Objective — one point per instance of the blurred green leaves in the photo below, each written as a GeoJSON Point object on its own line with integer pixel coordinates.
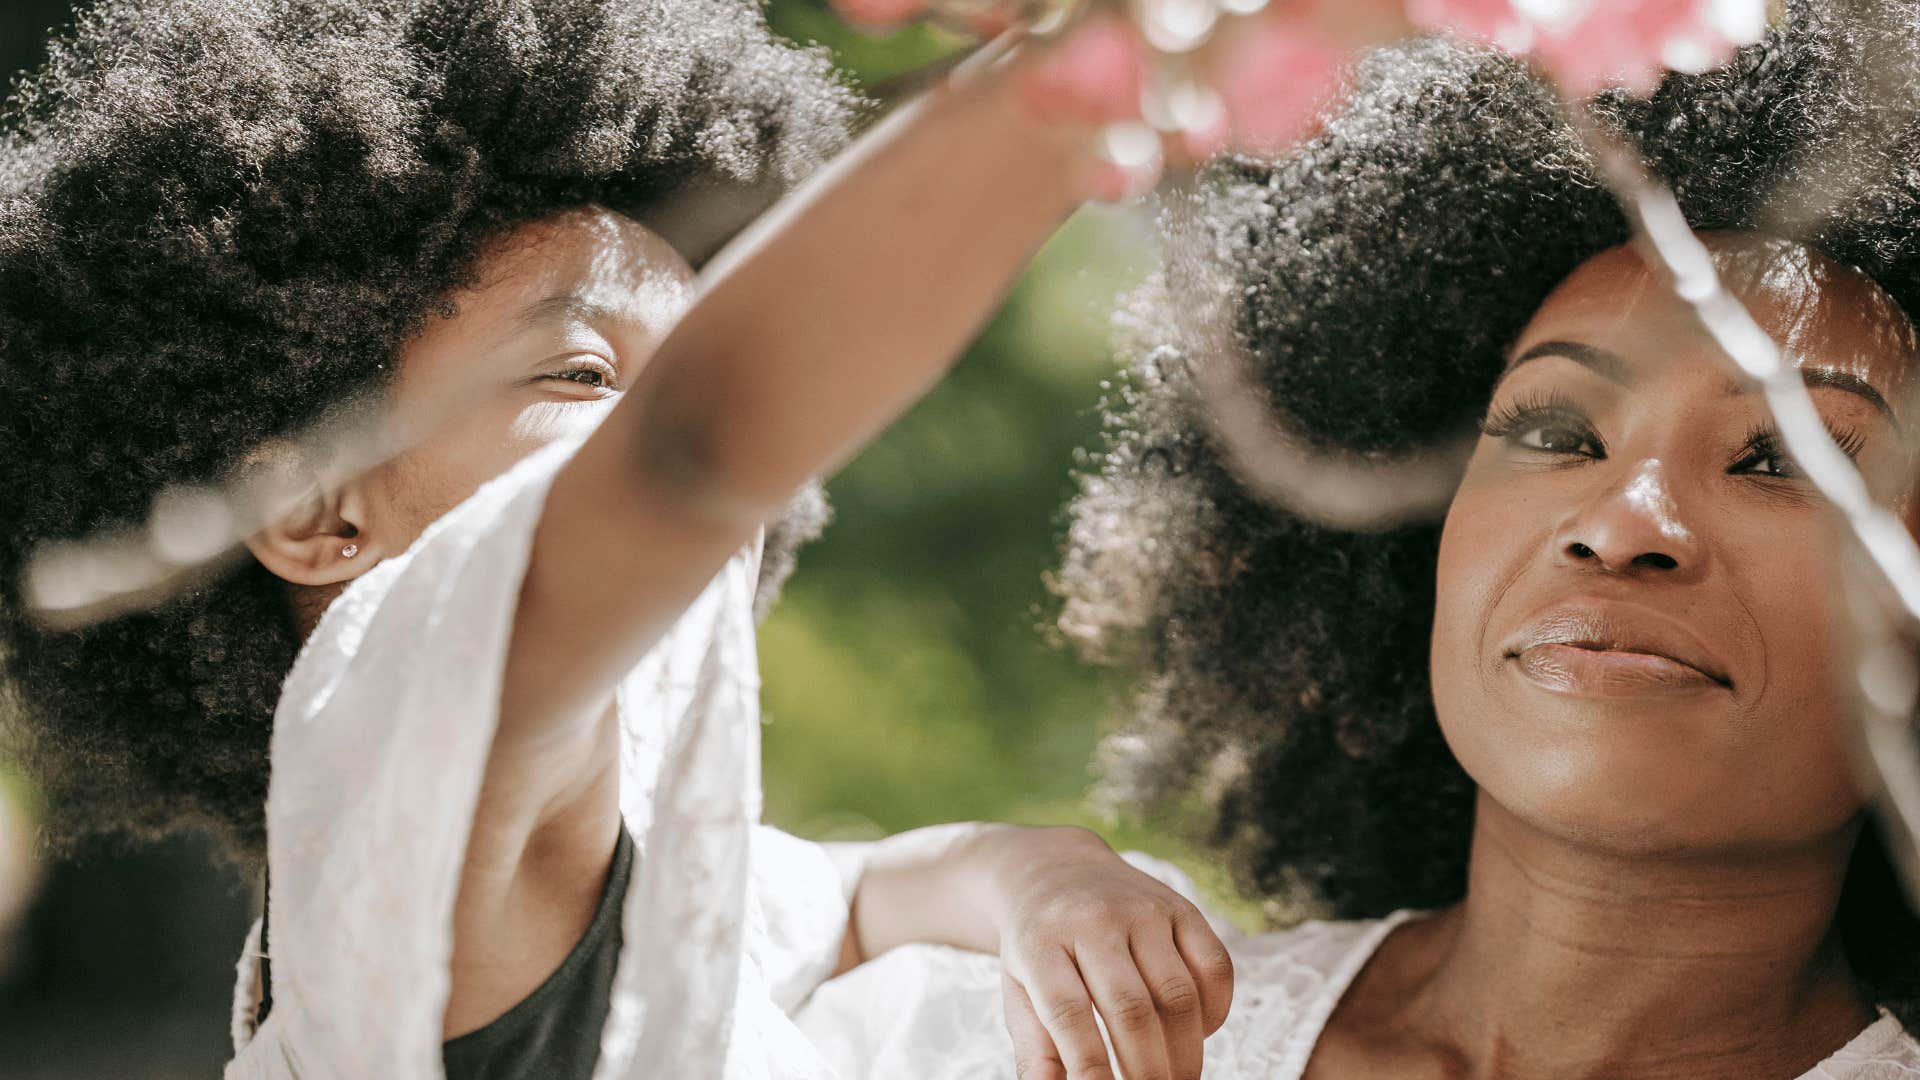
{"type": "Point", "coordinates": [906, 676]}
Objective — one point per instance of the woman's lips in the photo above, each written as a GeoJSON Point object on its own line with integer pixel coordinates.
{"type": "Point", "coordinates": [1607, 649]}
{"type": "Point", "coordinates": [1580, 671]}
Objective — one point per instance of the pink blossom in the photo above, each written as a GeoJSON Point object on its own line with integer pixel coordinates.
{"type": "Point", "coordinates": [1491, 21]}
{"type": "Point", "coordinates": [879, 13]}
{"type": "Point", "coordinates": [1276, 83]}
{"type": "Point", "coordinates": [1601, 43]}
{"type": "Point", "coordinates": [1625, 43]}
{"type": "Point", "coordinates": [1095, 76]}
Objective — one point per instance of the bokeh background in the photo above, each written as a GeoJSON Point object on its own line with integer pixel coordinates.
{"type": "Point", "coordinates": [908, 679]}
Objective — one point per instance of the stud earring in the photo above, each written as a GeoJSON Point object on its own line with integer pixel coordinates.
{"type": "Point", "coordinates": [350, 551]}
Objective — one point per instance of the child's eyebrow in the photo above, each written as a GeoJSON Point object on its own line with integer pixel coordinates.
{"type": "Point", "coordinates": [569, 307]}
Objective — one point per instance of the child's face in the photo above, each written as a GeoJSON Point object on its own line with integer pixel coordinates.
{"type": "Point", "coordinates": [566, 313]}
{"type": "Point", "coordinates": [1634, 642]}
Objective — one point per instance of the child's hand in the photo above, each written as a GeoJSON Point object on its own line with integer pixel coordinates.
{"type": "Point", "coordinates": [1083, 933]}
{"type": "Point", "coordinates": [1259, 85]}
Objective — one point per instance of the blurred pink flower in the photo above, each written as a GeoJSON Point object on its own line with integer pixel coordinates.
{"type": "Point", "coordinates": [1095, 76]}
{"type": "Point", "coordinates": [1276, 83]}
{"type": "Point", "coordinates": [1276, 80]}
{"type": "Point", "coordinates": [1591, 44]}
{"type": "Point", "coordinates": [1491, 21]}
{"type": "Point", "coordinates": [879, 13]}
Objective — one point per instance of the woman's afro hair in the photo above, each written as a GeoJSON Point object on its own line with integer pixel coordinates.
{"type": "Point", "coordinates": [1379, 274]}
{"type": "Point", "coordinates": [218, 219]}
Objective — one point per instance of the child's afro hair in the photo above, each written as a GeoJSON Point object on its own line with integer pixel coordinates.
{"type": "Point", "coordinates": [219, 218]}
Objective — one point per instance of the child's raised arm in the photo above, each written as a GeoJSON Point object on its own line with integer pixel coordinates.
{"type": "Point", "coordinates": [809, 335]}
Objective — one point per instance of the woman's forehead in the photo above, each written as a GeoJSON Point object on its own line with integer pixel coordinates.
{"type": "Point", "coordinates": [1822, 312]}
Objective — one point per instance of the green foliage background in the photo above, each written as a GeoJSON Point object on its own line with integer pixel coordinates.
{"type": "Point", "coordinates": [908, 676]}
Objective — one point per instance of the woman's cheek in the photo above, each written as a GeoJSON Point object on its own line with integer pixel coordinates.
{"type": "Point", "coordinates": [1465, 588]}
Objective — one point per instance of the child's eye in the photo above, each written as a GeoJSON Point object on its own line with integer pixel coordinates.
{"type": "Point", "coordinates": [591, 373]}
{"type": "Point", "coordinates": [583, 376]}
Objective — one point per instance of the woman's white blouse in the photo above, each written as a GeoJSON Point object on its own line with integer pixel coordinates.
{"type": "Point", "coordinates": [379, 744]}
{"type": "Point", "coordinates": [934, 1013]}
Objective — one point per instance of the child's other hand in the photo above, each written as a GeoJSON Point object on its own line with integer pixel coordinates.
{"type": "Point", "coordinates": [1083, 933]}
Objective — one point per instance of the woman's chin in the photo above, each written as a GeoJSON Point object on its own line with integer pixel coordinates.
{"type": "Point", "coordinates": [1630, 775]}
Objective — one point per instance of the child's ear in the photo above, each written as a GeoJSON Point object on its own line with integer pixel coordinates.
{"type": "Point", "coordinates": [316, 532]}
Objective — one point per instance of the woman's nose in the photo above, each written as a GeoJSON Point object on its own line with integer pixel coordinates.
{"type": "Point", "coordinates": [1633, 527]}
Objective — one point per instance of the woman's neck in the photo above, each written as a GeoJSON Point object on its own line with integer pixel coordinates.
{"type": "Point", "coordinates": [1568, 961]}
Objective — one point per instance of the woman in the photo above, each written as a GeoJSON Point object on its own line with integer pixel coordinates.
{"type": "Point", "coordinates": [494, 642]}
{"type": "Point", "coordinates": [1571, 770]}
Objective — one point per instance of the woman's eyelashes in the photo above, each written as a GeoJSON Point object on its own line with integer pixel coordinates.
{"type": "Point", "coordinates": [1554, 427]}
{"type": "Point", "coordinates": [1544, 425]}
{"type": "Point", "coordinates": [1765, 454]}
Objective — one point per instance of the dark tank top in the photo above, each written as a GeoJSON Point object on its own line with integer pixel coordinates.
{"type": "Point", "coordinates": [554, 1032]}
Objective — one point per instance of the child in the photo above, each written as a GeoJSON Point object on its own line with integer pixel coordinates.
{"type": "Point", "coordinates": [511, 825]}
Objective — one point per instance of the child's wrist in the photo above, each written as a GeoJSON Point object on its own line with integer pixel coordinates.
{"type": "Point", "coordinates": [1012, 855]}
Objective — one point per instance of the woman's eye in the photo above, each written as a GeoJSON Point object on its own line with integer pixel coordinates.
{"type": "Point", "coordinates": [1544, 426]}
{"type": "Point", "coordinates": [1769, 464]}
{"type": "Point", "coordinates": [1555, 438]}
{"type": "Point", "coordinates": [1765, 453]}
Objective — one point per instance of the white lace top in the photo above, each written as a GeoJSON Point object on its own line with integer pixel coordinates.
{"type": "Point", "coordinates": [379, 743]}
{"type": "Point", "coordinates": [934, 1013]}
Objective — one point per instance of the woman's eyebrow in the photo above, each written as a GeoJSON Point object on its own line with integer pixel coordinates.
{"type": "Point", "coordinates": [1833, 378]}
{"type": "Point", "coordinates": [1607, 364]}
{"type": "Point", "coordinates": [1613, 367]}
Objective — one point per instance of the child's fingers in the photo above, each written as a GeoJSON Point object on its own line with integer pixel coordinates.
{"type": "Point", "coordinates": [1059, 996]}
{"type": "Point", "coordinates": [1133, 1020]}
{"type": "Point", "coordinates": [1208, 962]}
{"type": "Point", "coordinates": [1175, 995]}
{"type": "Point", "coordinates": [1034, 1055]}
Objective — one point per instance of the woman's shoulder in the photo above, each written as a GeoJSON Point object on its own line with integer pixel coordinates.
{"type": "Point", "coordinates": [1287, 978]}
{"type": "Point", "coordinates": [1310, 957]}
{"type": "Point", "coordinates": [1286, 984]}
{"type": "Point", "coordinates": [1883, 1051]}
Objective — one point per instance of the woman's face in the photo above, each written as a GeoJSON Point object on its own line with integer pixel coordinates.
{"type": "Point", "coordinates": [1633, 644]}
